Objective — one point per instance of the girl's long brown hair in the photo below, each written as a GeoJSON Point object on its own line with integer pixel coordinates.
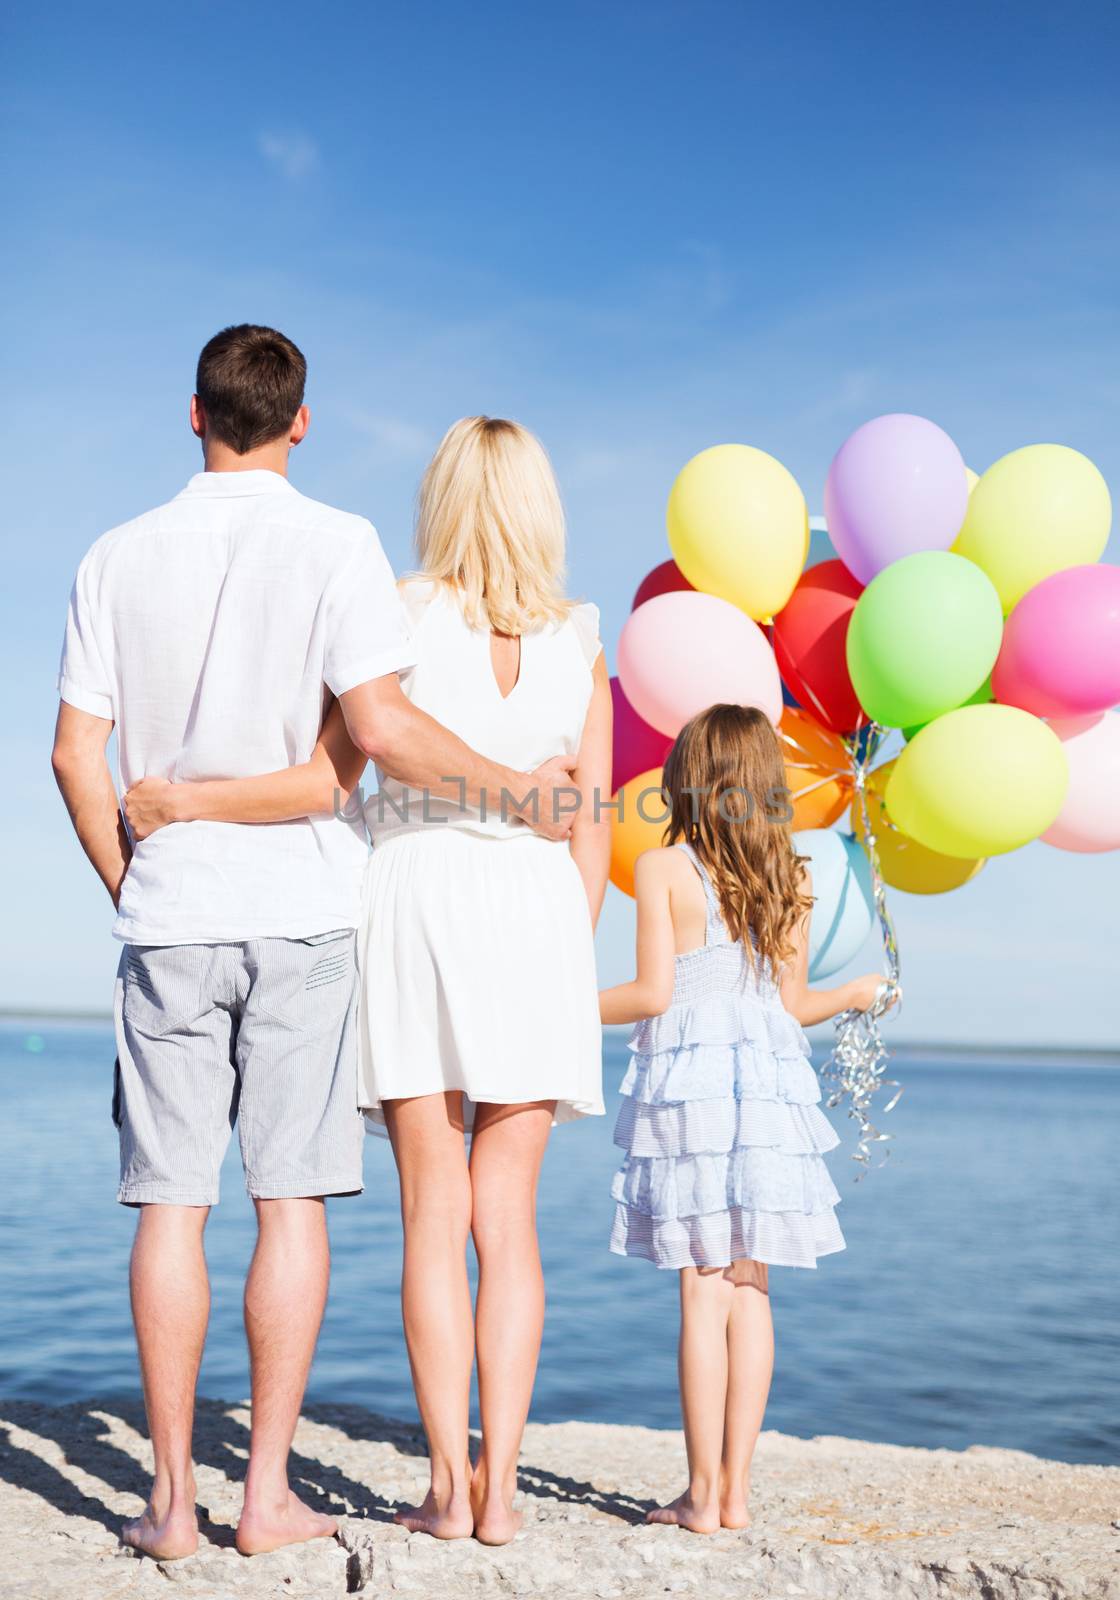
{"type": "Point", "coordinates": [725, 784]}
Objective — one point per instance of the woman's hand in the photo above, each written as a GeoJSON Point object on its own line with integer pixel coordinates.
{"type": "Point", "coordinates": [152, 803]}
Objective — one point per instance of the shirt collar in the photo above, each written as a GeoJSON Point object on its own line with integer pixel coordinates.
{"type": "Point", "coordinates": [220, 485]}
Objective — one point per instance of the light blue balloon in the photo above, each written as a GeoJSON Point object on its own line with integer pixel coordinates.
{"type": "Point", "coordinates": [845, 907]}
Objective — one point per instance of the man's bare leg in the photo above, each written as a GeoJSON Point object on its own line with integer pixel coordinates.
{"type": "Point", "coordinates": [170, 1308]}
{"type": "Point", "coordinates": [285, 1295]}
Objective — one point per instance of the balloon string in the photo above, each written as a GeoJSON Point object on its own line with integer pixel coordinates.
{"type": "Point", "coordinates": [857, 1064]}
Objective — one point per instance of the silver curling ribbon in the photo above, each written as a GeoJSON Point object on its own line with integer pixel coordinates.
{"type": "Point", "coordinates": [856, 1068]}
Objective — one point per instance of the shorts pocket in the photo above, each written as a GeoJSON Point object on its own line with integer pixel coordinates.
{"type": "Point", "coordinates": [306, 982]}
{"type": "Point", "coordinates": [116, 1113]}
{"type": "Point", "coordinates": [162, 986]}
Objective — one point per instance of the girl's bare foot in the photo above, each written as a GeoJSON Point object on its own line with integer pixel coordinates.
{"type": "Point", "coordinates": [168, 1537]}
{"type": "Point", "coordinates": [270, 1527]}
{"type": "Point", "coordinates": [450, 1518]}
{"type": "Point", "coordinates": [734, 1514]}
{"type": "Point", "coordinates": [733, 1503]}
{"type": "Point", "coordinates": [684, 1513]}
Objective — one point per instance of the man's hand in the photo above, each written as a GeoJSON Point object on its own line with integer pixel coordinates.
{"type": "Point", "coordinates": [83, 775]}
{"type": "Point", "coordinates": [557, 800]}
{"type": "Point", "coordinates": [151, 804]}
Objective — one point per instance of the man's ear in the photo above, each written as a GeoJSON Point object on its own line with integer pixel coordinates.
{"type": "Point", "coordinates": [198, 418]}
{"type": "Point", "coordinates": [300, 424]}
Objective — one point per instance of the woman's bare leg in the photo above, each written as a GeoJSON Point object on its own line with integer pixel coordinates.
{"type": "Point", "coordinates": [750, 1363]}
{"type": "Point", "coordinates": [427, 1135]}
{"type": "Point", "coordinates": [702, 1367]}
{"type": "Point", "coordinates": [506, 1152]}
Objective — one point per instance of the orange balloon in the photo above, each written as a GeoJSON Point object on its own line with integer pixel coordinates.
{"type": "Point", "coordinates": [639, 824]}
{"type": "Point", "coordinates": [818, 770]}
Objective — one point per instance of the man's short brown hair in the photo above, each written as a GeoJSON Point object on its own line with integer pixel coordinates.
{"type": "Point", "coordinates": [250, 382]}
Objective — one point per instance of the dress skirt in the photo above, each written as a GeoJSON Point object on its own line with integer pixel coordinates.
{"type": "Point", "coordinates": [478, 973]}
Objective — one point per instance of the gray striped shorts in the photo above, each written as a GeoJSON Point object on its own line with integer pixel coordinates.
{"type": "Point", "coordinates": [261, 1035]}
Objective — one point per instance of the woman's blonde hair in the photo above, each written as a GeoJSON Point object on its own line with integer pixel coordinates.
{"type": "Point", "coordinates": [725, 784]}
{"type": "Point", "coordinates": [490, 526]}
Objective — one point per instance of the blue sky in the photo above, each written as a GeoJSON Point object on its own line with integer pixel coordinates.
{"type": "Point", "coordinates": [640, 228]}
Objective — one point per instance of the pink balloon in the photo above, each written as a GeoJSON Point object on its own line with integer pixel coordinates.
{"type": "Point", "coordinates": [680, 653]}
{"type": "Point", "coordinates": [1090, 816]}
{"type": "Point", "coordinates": [1061, 645]}
{"type": "Point", "coordinates": [664, 579]}
{"type": "Point", "coordinates": [637, 746]}
{"type": "Point", "coordinates": [897, 485]}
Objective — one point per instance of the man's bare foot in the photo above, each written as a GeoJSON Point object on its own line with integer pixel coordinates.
{"type": "Point", "coordinates": [272, 1527]}
{"type": "Point", "coordinates": [170, 1537]}
{"type": "Point", "coordinates": [443, 1519]}
{"type": "Point", "coordinates": [684, 1514]}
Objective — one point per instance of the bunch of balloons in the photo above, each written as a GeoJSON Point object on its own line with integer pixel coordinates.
{"type": "Point", "coordinates": [971, 614]}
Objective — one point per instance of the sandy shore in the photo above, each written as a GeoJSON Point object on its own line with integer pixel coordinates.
{"type": "Point", "coordinates": [833, 1517]}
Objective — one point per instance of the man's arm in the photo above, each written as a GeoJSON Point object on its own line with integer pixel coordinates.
{"type": "Point", "coordinates": [82, 773]}
{"type": "Point", "coordinates": [421, 753]}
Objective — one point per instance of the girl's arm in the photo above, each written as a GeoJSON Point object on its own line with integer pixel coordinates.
{"type": "Point", "coordinates": [591, 831]}
{"type": "Point", "coordinates": [311, 789]}
{"type": "Point", "coordinates": [817, 1005]}
{"type": "Point", "coordinates": [651, 991]}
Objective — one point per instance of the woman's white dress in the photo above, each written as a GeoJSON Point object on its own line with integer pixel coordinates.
{"type": "Point", "coordinates": [476, 948]}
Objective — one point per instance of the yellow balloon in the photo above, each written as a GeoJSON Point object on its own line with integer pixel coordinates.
{"type": "Point", "coordinates": [739, 527]}
{"type": "Point", "coordinates": [978, 781]}
{"type": "Point", "coordinates": [904, 863]}
{"type": "Point", "coordinates": [1035, 512]}
{"type": "Point", "coordinates": [638, 824]}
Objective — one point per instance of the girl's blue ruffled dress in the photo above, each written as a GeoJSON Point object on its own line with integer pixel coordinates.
{"type": "Point", "coordinates": [721, 1122]}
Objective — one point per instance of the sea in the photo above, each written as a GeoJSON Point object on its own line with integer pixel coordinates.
{"type": "Point", "coordinates": [977, 1301]}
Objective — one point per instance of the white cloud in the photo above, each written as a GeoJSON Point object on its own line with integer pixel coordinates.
{"type": "Point", "coordinates": [292, 154]}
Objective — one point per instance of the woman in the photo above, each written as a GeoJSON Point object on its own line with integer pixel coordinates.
{"type": "Point", "coordinates": [478, 1003]}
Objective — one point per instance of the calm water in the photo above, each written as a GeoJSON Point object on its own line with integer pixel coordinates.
{"type": "Point", "coordinates": [976, 1303]}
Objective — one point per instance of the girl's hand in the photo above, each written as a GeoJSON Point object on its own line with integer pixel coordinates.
{"type": "Point", "coordinates": [865, 990]}
{"type": "Point", "coordinates": [152, 803]}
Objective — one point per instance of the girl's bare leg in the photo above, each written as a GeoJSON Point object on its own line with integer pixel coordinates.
{"type": "Point", "coordinates": [706, 1296]}
{"type": "Point", "coordinates": [427, 1135]}
{"type": "Point", "coordinates": [750, 1363]}
{"type": "Point", "coordinates": [506, 1152]}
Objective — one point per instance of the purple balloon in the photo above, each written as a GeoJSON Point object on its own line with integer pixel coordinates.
{"type": "Point", "coordinates": [897, 485]}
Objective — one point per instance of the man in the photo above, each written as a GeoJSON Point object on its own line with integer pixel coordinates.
{"type": "Point", "coordinates": [210, 633]}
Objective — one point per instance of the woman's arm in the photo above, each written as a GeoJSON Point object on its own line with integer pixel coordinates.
{"type": "Point", "coordinates": [651, 992]}
{"type": "Point", "coordinates": [591, 830]}
{"type": "Point", "coordinates": [807, 1005]}
{"type": "Point", "coordinates": [311, 789]}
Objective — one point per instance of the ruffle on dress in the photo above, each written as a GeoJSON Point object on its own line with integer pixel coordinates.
{"type": "Point", "coordinates": [724, 1136]}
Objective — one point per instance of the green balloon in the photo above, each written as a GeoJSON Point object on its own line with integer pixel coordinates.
{"type": "Point", "coordinates": [924, 635]}
{"type": "Point", "coordinates": [982, 697]}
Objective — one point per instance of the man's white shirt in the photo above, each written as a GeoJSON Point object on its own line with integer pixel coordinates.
{"type": "Point", "coordinates": [208, 631]}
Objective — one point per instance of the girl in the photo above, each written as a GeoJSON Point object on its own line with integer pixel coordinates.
{"type": "Point", "coordinates": [723, 1174]}
{"type": "Point", "coordinates": [477, 1006]}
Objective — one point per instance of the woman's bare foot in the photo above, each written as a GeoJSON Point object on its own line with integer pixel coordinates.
{"type": "Point", "coordinates": [169, 1537]}
{"type": "Point", "coordinates": [496, 1522]}
{"type": "Point", "coordinates": [450, 1518]}
{"type": "Point", "coordinates": [271, 1527]}
{"type": "Point", "coordinates": [683, 1513]}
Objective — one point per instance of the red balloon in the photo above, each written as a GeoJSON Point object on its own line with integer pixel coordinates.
{"type": "Point", "coordinates": [810, 638]}
{"type": "Point", "coordinates": [662, 580]}
{"type": "Point", "coordinates": [637, 746]}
